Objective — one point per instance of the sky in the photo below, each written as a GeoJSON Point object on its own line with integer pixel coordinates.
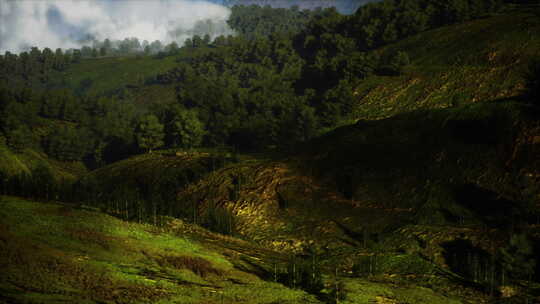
{"type": "Point", "coordinates": [64, 23]}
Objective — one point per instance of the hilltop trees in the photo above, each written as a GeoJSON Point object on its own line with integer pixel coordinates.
{"type": "Point", "coordinates": [172, 48]}
{"type": "Point", "coordinates": [183, 128]}
{"type": "Point", "coordinates": [379, 23]}
{"type": "Point", "coordinates": [255, 21]}
{"type": "Point", "coordinates": [34, 65]}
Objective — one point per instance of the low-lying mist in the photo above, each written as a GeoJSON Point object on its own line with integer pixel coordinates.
{"type": "Point", "coordinates": [74, 23]}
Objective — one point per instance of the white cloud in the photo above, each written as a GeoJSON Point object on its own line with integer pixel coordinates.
{"type": "Point", "coordinates": [59, 23]}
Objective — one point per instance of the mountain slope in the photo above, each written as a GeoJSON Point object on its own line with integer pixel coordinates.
{"type": "Point", "coordinates": [468, 138]}
{"type": "Point", "coordinates": [412, 168]}
{"type": "Point", "coordinates": [52, 253]}
{"type": "Point", "coordinates": [480, 60]}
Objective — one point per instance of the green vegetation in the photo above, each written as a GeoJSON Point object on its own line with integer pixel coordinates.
{"type": "Point", "coordinates": [89, 257]}
{"type": "Point", "coordinates": [388, 156]}
{"type": "Point", "coordinates": [149, 133]}
{"type": "Point", "coordinates": [112, 75]}
{"type": "Point", "coordinates": [56, 253]}
{"type": "Point", "coordinates": [268, 86]}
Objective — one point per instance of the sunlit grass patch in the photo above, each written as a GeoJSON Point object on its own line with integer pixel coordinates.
{"type": "Point", "coordinates": [359, 291]}
{"type": "Point", "coordinates": [53, 252]}
{"type": "Point", "coordinates": [264, 292]}
{"type": "Point", "coordinates": [153, 242]}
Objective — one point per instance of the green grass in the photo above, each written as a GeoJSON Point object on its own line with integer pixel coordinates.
{"type": "Point", "coordinates": [53, 253]}
{"type": "Point", "coordinates": [363, 291]}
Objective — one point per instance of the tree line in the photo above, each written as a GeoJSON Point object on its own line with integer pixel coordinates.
{"type": "Point", "coordinates": [35, 65]}
{"type": "Point", "coordinates": [97, 130]}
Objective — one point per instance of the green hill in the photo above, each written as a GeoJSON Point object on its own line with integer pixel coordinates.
{"type": "Point", "coordinates": [469, 137]}
{"type": "Point", "coordinates": [416, 168]}
{"type": "Point", "coordinates": [419, 201]}
{"type": "Point", "coordinates": [53, 253]}
{"type": "Point", "coordinates": [480, 60]}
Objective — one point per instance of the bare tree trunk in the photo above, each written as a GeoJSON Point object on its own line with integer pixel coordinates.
{"type": "Point", "coordinates": [275, 272]}
{"type": "Point", "coordinates": [337, 286]}
{"type": "Point", "coordinates": [155, 212]}
{"type": "Point", "coordinates": [294, 273]}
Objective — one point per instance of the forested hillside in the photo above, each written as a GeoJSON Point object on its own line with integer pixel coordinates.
{"type": "Point", "coordinates": [389, 155]}
{"type": "Point", "coordinates": [266, 86]}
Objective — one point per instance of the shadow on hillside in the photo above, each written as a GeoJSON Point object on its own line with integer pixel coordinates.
{"type": "Point", "coordinates": [395, 163]}
{"type": "Point", "coordinates": [465, 259]}
{"type": "Point", "coordinates": [489, 206]}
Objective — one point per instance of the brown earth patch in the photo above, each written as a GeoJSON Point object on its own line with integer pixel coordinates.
{"type": "Point", "coordinates": [197, 265]}
{"type": "Point", "coordinates": [91, 236]}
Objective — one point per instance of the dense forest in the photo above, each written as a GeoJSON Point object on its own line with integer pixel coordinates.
{"type": "Point", "coordinates": [286, 76]}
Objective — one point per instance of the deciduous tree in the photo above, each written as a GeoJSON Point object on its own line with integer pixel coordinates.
{"type": "Point", "coordinates": [149, 133]}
